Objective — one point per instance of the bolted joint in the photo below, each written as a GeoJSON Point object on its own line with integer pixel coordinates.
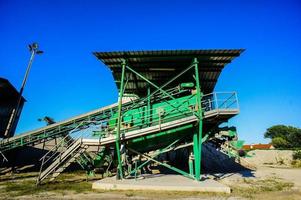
{"type": "Point", "coordinates": [195, 61]}
{"type": "Point", "coordinates": [123, 61]}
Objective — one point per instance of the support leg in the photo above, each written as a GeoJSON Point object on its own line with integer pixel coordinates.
{"type": "Point", "coordinates": [190, 164]}
{"type": "Point", "coordinates": [197, 137]}
{"type": "Point", "coordinates": [196, 153]}
{"type": "Point", "coordinates": [148, 113]}
{"type": "Point", "coordinates": [120, 171]}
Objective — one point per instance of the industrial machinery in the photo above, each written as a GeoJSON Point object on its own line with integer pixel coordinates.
{"type": "Point", "coordinates": [166, 103]}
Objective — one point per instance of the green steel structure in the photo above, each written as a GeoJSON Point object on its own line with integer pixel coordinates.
{"type": "Point", "coordinates": [166, 102]}
{"type": "Point", "coordinates": [139, 72]}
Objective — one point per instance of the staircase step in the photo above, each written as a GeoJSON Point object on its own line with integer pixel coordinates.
{"type": "Point", "coordinates": [62, 158]}
{"type": "Point", "coordinates": [57, 172]}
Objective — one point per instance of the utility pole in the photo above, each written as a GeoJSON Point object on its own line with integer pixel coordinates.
{"type": "Point", "coordinates": [34, 49]}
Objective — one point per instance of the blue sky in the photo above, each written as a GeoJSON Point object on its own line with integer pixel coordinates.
{"type": "Point", "coordinates": [68, 80]}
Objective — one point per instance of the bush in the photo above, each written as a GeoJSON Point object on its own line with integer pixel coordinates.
{"type": "Point", "coordinates": [296, 163]}
{"type": "Point", "coordinates": [297, 155]}
{"type": "Point", "coordinates": [279, 142]}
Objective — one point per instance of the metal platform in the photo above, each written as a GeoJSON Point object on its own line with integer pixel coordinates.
{"type": "Point", "coordinates": [217, 114]}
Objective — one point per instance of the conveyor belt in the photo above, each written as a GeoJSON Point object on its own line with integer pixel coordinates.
{"type": "Point", "coordinates": [54, 130]}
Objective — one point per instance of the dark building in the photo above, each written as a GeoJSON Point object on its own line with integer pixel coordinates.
{"type": "Point", "coordinates": [8, 102]}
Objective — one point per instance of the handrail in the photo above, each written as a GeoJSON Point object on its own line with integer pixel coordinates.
{"type": "Point", "coordinates": [206, 103]}
{"type": "Point", "coordinates": [227, 99]}
{"type": "Point", "coordinates": [155, 109]}
{"type": "Point", "coordinates": [70, 132]}
{"type": "Point", "coordinates": [232, 99]}
{"type": "Point", "coordinates": [219, 102]}
{"type": "Point", "coordinates": [55, 147]}
{"type": "Point", "coordinates": [185, 100]}
{"type": "Point", "coordinates": [63, 141]}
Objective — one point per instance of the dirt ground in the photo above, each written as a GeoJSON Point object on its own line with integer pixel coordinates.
{"type": "Point", "coordinates": [273, 178]}
{"type": "Point", "coordinates": [270, 157]}
{"type": "Point", "coordinates": [264, 183]}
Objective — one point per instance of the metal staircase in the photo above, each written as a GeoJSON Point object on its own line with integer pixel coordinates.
{"type": "Point", "coordinates": [69, 150]}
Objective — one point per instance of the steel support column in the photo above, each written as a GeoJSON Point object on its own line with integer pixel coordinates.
{"type": "Point", "coordinates": [148, 114]}
{"type": "Point", "coordinates": [197, 137]}
{"type": "Point", "coordinates": [121, 90]}
{"type": "Point", "coordinates": [196, 153]}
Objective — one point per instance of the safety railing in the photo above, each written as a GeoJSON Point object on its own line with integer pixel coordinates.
{"type": "Point", "coordinates": [78, 133]}
{"type": "Point", "coordinates": [142, 117]}
{"type": "Point", "coordinates": [220, 101]}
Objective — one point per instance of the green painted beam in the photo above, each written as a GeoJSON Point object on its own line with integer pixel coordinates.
{"type": "Point", "coordinates": [120, 175]}
{"type": "Point", "coordinates": [164, 164]}
{"type": "Point", "coordinates": [160, 151]}
{"type": "Point", "coordinates": [198, 157]}
{"type": "Point", "coordinates": [149, 82]}
{"type": "Point", "coordinates": [196, 154]}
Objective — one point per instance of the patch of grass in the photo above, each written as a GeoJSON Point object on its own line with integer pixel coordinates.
{"type": "Point", "coordinates": [70, 183]}
{"type": "Point", "coordinates": [28, 187]}
{"type": "Point", "coordinates": [297, 155]}
{"type": "Point", "coordinates": [19, 188]}
{"type": "Point", "coordinates": [250, 187]}
{"type": "Point", "coordinates": [296, 163]}
{"type": "Point", "coordinates": [20, 184]}
{"type": "Point", "coordinates": [129, 194]}
{"type": "Point", "coordinates": [16, 176]}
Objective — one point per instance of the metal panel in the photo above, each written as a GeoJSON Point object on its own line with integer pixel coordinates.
{"type": "Point", "coordinates": [160, 66]}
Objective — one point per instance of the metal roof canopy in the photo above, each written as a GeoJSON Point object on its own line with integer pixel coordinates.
{"type": "Point", "coordinates": [161, 66]}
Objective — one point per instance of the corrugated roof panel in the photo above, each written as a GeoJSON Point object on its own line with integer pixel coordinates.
{"type": "Point", "coordinates": [161, 66]}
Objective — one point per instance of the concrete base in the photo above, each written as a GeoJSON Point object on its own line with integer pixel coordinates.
{"type": "Point", "coordinates": [162, 183]}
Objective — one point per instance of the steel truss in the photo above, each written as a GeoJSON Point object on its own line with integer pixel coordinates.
{"type": "Point", "coordinates": [198, 128]}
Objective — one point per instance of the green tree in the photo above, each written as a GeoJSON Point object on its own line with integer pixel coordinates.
{"type": "Point", "coordinates": [279, 142]}
{"type": "Point", "coordinates": [284, 136]}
